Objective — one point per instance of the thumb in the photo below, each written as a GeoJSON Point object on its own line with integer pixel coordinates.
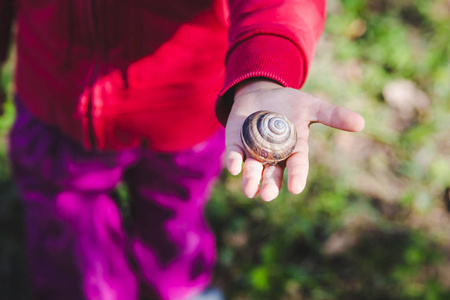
{"type": "Point", "coordinates": [338, 117]}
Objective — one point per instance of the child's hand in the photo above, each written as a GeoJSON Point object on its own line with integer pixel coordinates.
{"type": "Point", "coordinates": [302, 109]}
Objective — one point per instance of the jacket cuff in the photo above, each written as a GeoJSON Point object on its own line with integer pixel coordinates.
{"type": "Point", "coordinates": [268, 56]}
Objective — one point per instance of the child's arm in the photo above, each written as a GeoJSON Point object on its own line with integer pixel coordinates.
{"type": "Point", "coordinates": [272, 44]}
{"type": "Point", "coordinates": [274, 39]}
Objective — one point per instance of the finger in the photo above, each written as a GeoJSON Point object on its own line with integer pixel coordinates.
{"type": "Point", "coordinates": [251, 177]}
{"type": "Point", "coordinates": [271, 182]}
{"type": "Point", "coordinates": [297, 167]}
{"type": "Point", "coordinates": [234, 159]}
{"type": "Point", "coordinates": [338, 117]}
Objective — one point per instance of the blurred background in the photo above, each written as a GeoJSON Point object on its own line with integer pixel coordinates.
{"type": "Point", "coordinates": [374, 220]}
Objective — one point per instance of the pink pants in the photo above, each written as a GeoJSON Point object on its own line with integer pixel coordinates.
{"type": "Point", "coordinates": [78, 246]}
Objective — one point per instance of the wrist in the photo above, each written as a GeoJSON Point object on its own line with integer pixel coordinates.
{"type": "Point", "coordinates": [254, 85]}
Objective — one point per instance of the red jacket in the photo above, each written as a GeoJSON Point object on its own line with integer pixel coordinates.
{"type": "Point", "coordinates": [110, 73]}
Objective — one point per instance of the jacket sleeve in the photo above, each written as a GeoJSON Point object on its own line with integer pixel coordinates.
{"type": "Point", "coordinates": [274, 39]}
{"type": "Point", "coordinates": [6, 18]}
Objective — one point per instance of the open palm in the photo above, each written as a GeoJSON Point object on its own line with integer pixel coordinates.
{"type": "Point", "coordinates": [303, 110]}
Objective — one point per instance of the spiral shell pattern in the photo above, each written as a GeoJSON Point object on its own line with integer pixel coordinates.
{"type": "Point", "coordinates": [268, 137]}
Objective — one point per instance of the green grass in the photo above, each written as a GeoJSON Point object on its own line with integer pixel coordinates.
{"type": "Point", "coordinates": [372, 222]}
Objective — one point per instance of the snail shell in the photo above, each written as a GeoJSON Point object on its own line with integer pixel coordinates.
{"type": "Point", "coordinates": [268, 137]}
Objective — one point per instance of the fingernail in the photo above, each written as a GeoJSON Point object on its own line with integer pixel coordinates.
{"type": "Point", "coordinates": [269, 193]}
{"type": "Point", "coordinates": [250, 189]}
{"type": "Point", "coordinates": [234, 167]}
{"type": "Point", "coordinates": [297, 190]}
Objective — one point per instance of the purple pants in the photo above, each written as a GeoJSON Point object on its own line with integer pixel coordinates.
{"type": "Point", "coordinates": [78, 247]}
